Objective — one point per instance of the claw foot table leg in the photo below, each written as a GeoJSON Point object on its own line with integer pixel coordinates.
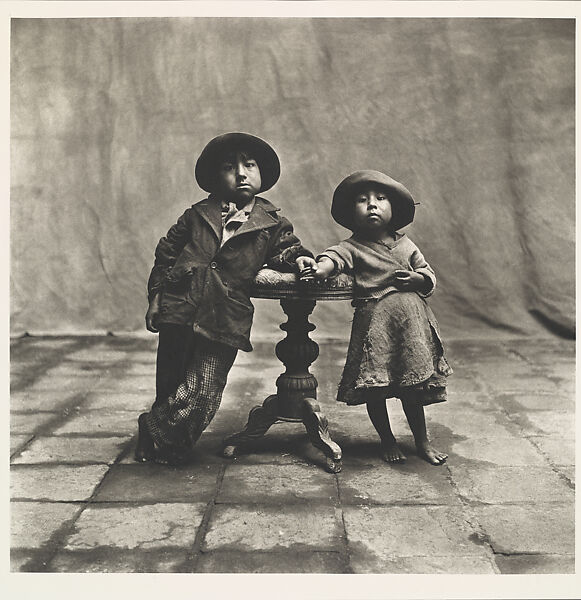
{"type": "Point", "coordinates": [317, 428]}
{"type": "Point", "coordinates": [260, 419]}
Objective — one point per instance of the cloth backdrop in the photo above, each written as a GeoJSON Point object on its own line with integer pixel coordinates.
{"type": "Point", "coordinates": [474, 116]}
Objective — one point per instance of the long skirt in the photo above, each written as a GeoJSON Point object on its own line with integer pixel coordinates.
{"type": "Point", "coordinates": [395, 347]}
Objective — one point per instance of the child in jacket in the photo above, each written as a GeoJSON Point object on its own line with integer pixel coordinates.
{"type": "Point", "coordinates": [199, 289]}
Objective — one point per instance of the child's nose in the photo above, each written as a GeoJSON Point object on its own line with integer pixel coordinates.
{"type": "Point", "coordinates": [240, 170]}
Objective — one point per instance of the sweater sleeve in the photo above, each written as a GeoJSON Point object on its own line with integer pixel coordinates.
{"type": "Point", "coordinates": [421, 266]}
{"type": "Point", "coordinates": [341, 255]}
{"type": "Point", "coordinates": [166, 253]}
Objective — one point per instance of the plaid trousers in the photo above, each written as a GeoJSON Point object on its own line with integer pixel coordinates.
{"type": "Point", "coordinates": [176, 422]}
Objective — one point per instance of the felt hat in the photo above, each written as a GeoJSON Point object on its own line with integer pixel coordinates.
{"type": "Point", "coordinates": [216, 149]}
{"type": "Point", "coordinates": [402, 204]}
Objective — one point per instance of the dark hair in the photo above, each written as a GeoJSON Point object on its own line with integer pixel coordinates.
{"type": "Point", "coordinates": [263, 153]}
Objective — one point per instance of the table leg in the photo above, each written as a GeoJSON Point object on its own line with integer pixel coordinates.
{"type": "Point", "coordinates": [260, 419]}
{"type": "Point", "coordinates": [296, 389]}
{"type": "Point", "coordinates": [317, 427]}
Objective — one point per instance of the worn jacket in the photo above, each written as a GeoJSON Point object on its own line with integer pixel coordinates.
{"type": "Point", "coordinates": [207, 286]}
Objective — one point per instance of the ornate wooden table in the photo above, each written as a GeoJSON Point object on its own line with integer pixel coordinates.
{"type": "Point", "coordinates": [295, 399]}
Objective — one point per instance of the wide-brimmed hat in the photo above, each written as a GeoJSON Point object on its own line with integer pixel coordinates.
{"type": "Point", "coordinates": [216, 149]}
{"type": "Point", "coordinates": [402, 204]}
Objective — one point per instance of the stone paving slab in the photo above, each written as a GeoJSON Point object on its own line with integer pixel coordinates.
{"type": "Point", "coordinates": [568, 472]}
{"type": "Point", "coordinates": [465, 385]}
{"type": "Point", "coordinates": [536, 528]}
{"type": "Point", "coordinates": [34, 523]}
{"type": "Point", "coordinates": [464, 424]}
{"type": "Point", "coordinates": [29, 423]}
{"type": "Point", "coordinates": [289, 484]}
{"type": "Point", "coordinates": [547, 350]}
{"type": "Point", "coordinates": [96, 422]}
{"type": "Point", "coordinates": [503, 452]}
{"type": "Point", "coordinates": [63, 483]}
{"type": "Point", "coordinates": [557, 450]}
{"type": "Point", "coordinates": [499, 485]}
{"type": "Point", "coordinates": [100, 353]}
{"type": "Point", "coordinates": [159, 483]}
{"type": "Point", "coordinates": [525, 403]}
{"type": "Point", "coordinates": [146, 357]}
{"type": "Point", "coordinates": [37, 401]}
{"type": "Point", "coordinates": [64, 383]}
{"type": "Point", "coordinates": [23, 368]}
{"type": "Point", "coordinates": [378, 534]}
{"type": "Point", "coordinates": [135, 402]}
{"type": "Point", "coordinates": [135, 383]}
{"type": "Point", "coordinates": [519, 382]}
{"type": "Point", "coordinates": [72, 450]}
{"type": "Point", "coordinates": [271, 562]}
{"type": "Point", "coordinates": [414, 482]}
{"type": "Point", "coordinates": [458, 402]}
{"type": "Point", "coordinates": [41, 345]}
{"type": "Point", "coordinates": [78, 369]}
{"type": "Point", "coordinates": [536, 564]}
{"type": "Point", "coordinates": [139, 369]}
{"type": "Point", "coordinates": [107, 559]}
{"type": "Point", "coordinates": [301, 528]}
{"type": "Point", "coordinates": [552, 423]}
{"type": "Point", "coordinates": [18, 441]}
{"type": "Point", "coordinates": [428, 565]}
{"type": "Point", "coordinates": [147, 527]}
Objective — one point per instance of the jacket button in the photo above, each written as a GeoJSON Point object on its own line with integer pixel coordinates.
{"type": "Point", "coordinates": [213, 265]}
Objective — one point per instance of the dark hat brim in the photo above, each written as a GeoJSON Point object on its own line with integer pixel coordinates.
{"type": "Point", "coordinates": [402, 203]}
{"type": "Point", "coordinates": [217, 148]}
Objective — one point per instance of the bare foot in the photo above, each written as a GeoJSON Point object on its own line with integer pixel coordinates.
{"type": "Point", "coordinates": [391, 453]}
{"type": "Point", "coordinates": [147, 451]}
{"type": "Point", "coordinates": [433, 456]}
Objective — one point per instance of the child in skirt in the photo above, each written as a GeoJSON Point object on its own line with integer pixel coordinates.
{"type": "Point", "coordinates": [395, 348]}
{"type": "Point", "coordinates": [199, 290]}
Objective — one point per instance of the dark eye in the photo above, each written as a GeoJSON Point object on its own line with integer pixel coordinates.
{"type": "Point", "coordinates": [381, 197]}
{"type": "Point", "coordinates": [251, 164]}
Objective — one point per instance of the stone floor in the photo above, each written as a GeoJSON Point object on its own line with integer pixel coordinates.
{"type": "Point", "coordinates": [503, 503]}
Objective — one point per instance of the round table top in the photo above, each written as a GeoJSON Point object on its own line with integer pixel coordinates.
{"type": "Point", "coordinates": [278, 286]}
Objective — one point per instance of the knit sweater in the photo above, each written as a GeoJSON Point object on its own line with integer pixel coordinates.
{"type": "Point", "coordinates": [373, 264]}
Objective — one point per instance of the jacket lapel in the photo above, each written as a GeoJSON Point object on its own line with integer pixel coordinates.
{"type": "Point", "coordinates": [211, 211]}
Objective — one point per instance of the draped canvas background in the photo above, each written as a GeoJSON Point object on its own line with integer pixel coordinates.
{"type": "Point", "coordinates": [474, 116]}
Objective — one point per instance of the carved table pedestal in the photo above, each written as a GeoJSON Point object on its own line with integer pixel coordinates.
{"type": "Point", "coordinates": [295, 398]}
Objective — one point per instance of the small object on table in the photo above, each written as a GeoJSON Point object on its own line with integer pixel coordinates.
{"type": "Point", "coordinates": [295, 399]}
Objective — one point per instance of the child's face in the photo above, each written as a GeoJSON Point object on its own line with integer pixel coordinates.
{"type": "Point", "coordinates": [371, 209]}
{"type": "Point", "coordinates": [239, 177]}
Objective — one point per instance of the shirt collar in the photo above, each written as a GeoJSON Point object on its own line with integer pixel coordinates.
{"type": "Point", "coordinates": [247, 208]}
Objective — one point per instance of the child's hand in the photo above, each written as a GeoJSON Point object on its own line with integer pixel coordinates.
{"type": "Point", "coordinates": [307, 267]}
{"type": "Point", "coordinates": [408, 281]}
{"type": "Point", "coordinates": [152, 314]}
{"type": "Point", "coordinates": [310, 269]}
